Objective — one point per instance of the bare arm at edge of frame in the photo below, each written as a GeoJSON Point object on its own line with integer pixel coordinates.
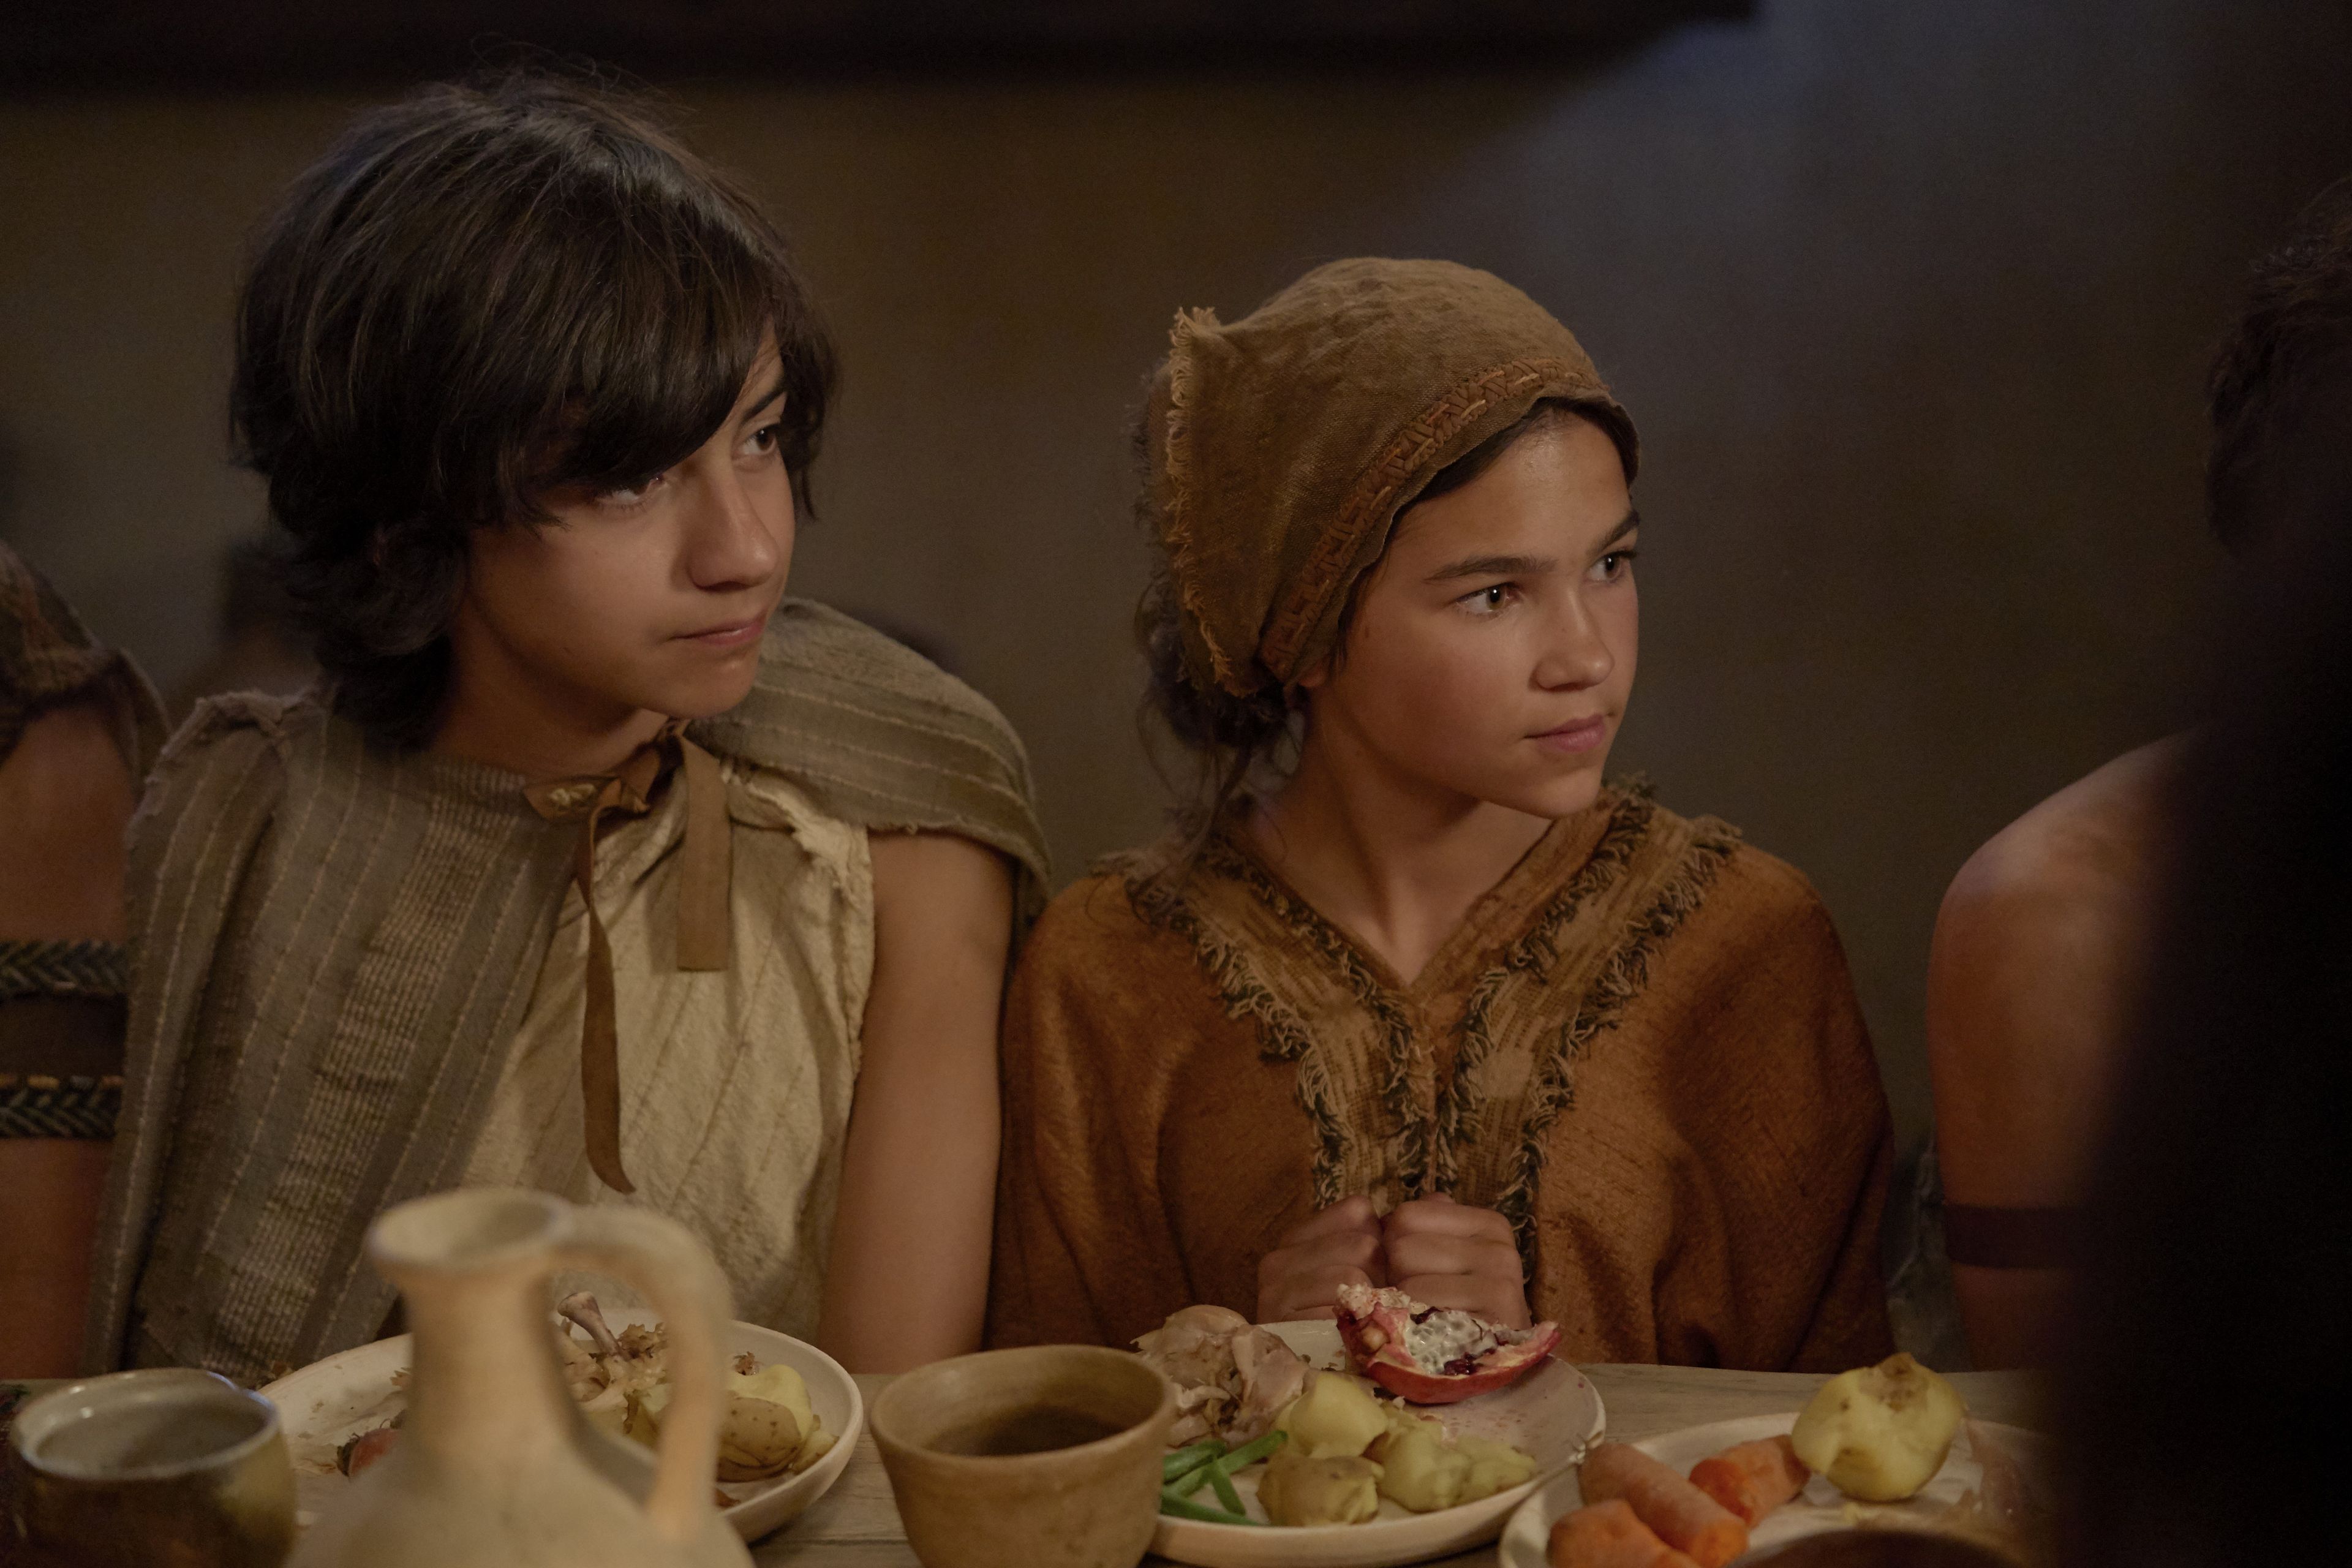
{"type": "Point", "coordinates": [66, 796]}
{"type": "Point", "coordinates": [908, 1279]}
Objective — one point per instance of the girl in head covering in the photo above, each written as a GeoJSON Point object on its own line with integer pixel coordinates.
{"type": "Point", "coordinates": [1417, 998]}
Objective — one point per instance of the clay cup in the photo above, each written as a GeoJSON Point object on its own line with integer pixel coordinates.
{"type": "Point", "coordinates": [167, 1465]}
{"type": "Point", "coordinates": [1042, 1457]}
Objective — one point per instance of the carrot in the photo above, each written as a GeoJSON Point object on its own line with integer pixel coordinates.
{"type": "Point", "coordinates": [1685, 1518]}
{"type": "Point", "coordinates": [1751, 1479]}
{"type": "Point", "coordinates": [1608, 1535]}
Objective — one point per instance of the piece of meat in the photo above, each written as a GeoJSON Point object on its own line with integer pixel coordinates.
{"type": "Point", "coordinates": [1684, 1517]}
{"type": "Point", "coordinates": [1194, 1345]}
{"type": "Point", "coordinates": [1751, 1479]}
{"type": "Point", "coordinates": [1608, 1535]}
{"type": "Point", "coordinates": [1272, 1375]}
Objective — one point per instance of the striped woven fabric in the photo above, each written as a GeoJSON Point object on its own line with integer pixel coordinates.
{"type": "Point", "coordinates": [335, 945]}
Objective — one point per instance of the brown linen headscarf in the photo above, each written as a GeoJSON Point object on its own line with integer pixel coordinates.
{"type": "Point", "coordinates": [1282, 446]}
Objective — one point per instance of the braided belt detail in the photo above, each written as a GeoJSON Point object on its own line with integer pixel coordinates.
{"type": "Point", "coordinates": [100, 969]}
{"type": "Point", "coordinates": [34, 1105]}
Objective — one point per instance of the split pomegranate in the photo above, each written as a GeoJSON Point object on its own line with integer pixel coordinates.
{"type": "Point", "coordinates": [1434, 1355]}
{"type": "Point", "coordinates": [366, 1449]}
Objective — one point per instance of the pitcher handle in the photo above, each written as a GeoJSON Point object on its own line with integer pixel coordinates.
{"type": "Point", "coordinates": [661, 1260]}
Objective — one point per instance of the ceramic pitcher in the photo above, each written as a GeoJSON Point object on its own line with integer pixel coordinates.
{"type": "Point", "coordinates": [495, 1464]}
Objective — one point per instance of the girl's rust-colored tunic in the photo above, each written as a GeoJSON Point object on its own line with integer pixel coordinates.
{"type": "Point", "coordinates": [1643, 1048]}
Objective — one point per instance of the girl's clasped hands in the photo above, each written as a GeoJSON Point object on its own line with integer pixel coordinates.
{"type": "Point", "coordinates": [1435, 1250]}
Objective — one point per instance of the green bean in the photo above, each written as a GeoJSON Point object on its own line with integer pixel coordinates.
{"type": "Point", "coordinates": [1224, 1484]}
{"type": "Point", "coordinates": [1190, 1482]}
{"type": "Point", "coordinates": [1184, 1507]}
{"type": "Point", "coordinates": [1249, 1453]}
{"type": "Point", "coordinates": [1185, 1460]}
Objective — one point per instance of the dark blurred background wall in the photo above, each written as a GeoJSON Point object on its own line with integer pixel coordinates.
{"type": "Point", "coordinates": [1911, 300]}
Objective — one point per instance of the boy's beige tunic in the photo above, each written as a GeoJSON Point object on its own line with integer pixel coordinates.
{"type": "Point", "coordinates": [333, 947]}
{"type": "Point", "coordinates": [735, 1083]}
{"type": "Point", "coordinates": [1642, 1046]}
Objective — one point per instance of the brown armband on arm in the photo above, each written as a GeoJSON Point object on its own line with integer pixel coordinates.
{"type": "Point", "coordinates": [61, 1023]}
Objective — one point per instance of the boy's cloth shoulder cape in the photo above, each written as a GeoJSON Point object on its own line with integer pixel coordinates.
{"type": "Point", "coordinates": [332, 944]}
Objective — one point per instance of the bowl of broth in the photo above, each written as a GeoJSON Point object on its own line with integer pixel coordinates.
{"type": "Point", "coordinates": [1046, 1457]}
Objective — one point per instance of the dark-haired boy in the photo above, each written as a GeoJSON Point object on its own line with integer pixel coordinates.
{"type": "Point", "coordinates": [2040, 945]}
{"type": "Point", "coordinates": [595, 865]}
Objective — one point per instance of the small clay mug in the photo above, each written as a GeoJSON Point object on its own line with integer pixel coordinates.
{"type": "Point", "coordinates": [1042, 1457]}
{"type": "Point", "coordinates": [137, 1469]}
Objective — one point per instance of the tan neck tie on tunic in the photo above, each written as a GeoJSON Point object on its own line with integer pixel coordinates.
{"type": "Point", "coordinates": [702, 916]}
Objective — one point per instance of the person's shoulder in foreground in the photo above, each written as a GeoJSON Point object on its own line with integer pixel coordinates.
{"type": "Point", "coordinates": [77, 730]}
{"type": "Point", "coordinates": [2041, 946]}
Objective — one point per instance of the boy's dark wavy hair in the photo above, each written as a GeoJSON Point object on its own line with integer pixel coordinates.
{"type": "Point", "coordinates": [480, 294]}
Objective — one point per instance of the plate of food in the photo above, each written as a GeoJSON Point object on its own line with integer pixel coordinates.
{"type": "Point", "coordinates": [1396, 1433]}
{"type": "Point", "coordinates": [1883, 1464]}
{"type": "Point", "coordinates": [794, 1414]}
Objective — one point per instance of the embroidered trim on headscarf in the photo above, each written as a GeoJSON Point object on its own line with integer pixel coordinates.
{"type": "Point", "coordinates": [1372, 504]}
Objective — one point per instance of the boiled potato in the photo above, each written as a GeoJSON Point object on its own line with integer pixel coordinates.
{"type": "Point", "coordinates": [1880, 1432]}
{"type": "Point", "coordinates": [1419, 1469]}
{"type": "Point", "coordinates": [767, 1428]}
{"type": "Point", "coordinates": [778, 1384]}
{"type": "Point", "coordinates": [757, 1439]}
{"type": "Point", "coordinates": [1424, 1470]}
{"type": "Point", "coordinates": [1299, 1491]}
{"type": "Point", "coordinates": [1337, 1417]}
{"type": "Point", "coordinates": [815, 1446]}
{"type": "Point", "coordinates": [1493, 1467]}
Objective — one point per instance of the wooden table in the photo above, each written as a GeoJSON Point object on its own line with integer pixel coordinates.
{"type": "Point", "coordinates": [856, 1525]}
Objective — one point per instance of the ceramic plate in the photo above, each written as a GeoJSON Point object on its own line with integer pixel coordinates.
{"type": "Point", "coordinates": [1552, 1412]}
{"type": "Point", "coordinates": [1821, 1507]}
{"type": "Point", "coordinates": [331, 1401]}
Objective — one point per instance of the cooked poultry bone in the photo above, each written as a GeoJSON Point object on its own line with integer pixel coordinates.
{"type": "Point", "coordinates": [581, 1309]}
